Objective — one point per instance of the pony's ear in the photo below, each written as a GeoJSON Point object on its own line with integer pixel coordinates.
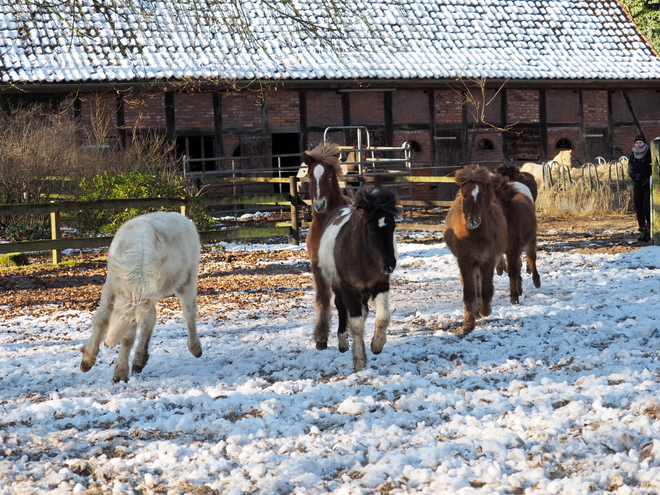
{"type": "Point", "coordinates": [307, 158]}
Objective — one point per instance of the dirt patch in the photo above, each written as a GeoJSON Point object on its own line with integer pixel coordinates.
{"type": "Point", "coordinates": [248, 279]}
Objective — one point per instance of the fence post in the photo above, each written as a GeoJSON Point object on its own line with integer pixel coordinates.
{"type": "Point", "coordinates": [293, 194]}
{"type": "Point", "coordinates": [55, 234]}
{"type": "Point", "coordinates": [655, 192]}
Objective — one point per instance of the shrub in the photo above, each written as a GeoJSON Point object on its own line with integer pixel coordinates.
{"type": "Point", "coordinates": [23, 231]}
{"type": "Point", "coordinates": [129, 185]}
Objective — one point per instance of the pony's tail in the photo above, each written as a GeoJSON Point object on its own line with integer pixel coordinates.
{"type": "Point", "coordinates": [126, 315]}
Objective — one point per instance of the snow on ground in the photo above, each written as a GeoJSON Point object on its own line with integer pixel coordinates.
{"type": "Point", "coordinates": [559, 395]}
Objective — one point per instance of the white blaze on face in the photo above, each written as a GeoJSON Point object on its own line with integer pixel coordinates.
{"type": "Point", "coordinates": [382, 222]}
{"type": "Point", "coordinates": [318, 173]}
{"type": "Point", "coordinates": [475, 193]}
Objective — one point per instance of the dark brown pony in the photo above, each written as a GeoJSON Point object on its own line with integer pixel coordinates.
{"type": "Point", "coordinates": [476, 233]}
{"type": "Point", "coordinates": [520, 214]}
{"type": "Point", "coordinates": [357, 255]}
{"type": "Point", "coordinates": [513, 173]}
{"type": "Point", "coordinates": [324, 173]}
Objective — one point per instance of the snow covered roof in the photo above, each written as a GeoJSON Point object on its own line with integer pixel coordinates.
{"type": "Point", "coordinates": [112, 41]}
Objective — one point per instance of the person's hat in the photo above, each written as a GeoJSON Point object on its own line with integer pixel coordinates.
{"type": "Point", "coordinates": [640, 138]}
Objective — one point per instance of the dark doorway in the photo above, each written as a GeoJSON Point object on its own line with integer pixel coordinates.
{"type": "Point", "coordinates": [286, 157]}
{"type": "Point", "coordinates": [448, 159]}
{"type": "Point", "coordinates": [196, 148]}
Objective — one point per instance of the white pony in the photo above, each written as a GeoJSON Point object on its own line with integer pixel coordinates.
{"type": "Point", "coordinates": [152, 256]}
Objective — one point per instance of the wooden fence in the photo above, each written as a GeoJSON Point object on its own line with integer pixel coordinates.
{"type": "Point", "coordinates": [292, 201]}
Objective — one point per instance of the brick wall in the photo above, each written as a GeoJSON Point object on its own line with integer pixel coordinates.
{"type": "Point", "coordinates": [595, 107]}
{"type": "Point", "coordinates": [522, 106]}
{"type": "Point", "coordinates": [324, 109]}
{"type": "Point", "coordinates": [283, 110]}
{"type": "Point", "coordinates": [410, 107]}
{"type": "Point", "coordinates": [144, 110]}
{"type": "Point", "coordinates": [367, 109]}
{"type": "Point", "coordinates": [194, 112]}
{"type": "Point", "coordinates": [241, 111]}
{"type": "Point", "coordinates": [448, 107]}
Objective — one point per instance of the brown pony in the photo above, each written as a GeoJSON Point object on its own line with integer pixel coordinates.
{"type": "Point", "coordinates": [476, 233]}
{"type": "Point", "coordinates": [324, 173]}
{"type": "Point", "coordinates": [520, 214]}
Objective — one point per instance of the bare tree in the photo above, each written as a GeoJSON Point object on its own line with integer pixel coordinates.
{"type": "Point", "coordinates": [477, 97]}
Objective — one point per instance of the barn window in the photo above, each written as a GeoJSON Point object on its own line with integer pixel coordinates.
{"type": "Point", "coordinates": [564, 144]}
{"type": "Point", "coordinates": [415, 146]}
{"type": "Point", "coordinates": [485, 145]}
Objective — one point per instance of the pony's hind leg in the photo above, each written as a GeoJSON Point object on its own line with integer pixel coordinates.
{"type": "Point", "coordinates": [382, 322]}
{"type": "Point", "coordinates": [531, 264]}
{"type": "Point", "coordinates": [514, 264]}
{"type": "Point", "coordinates": [342, 330]}
{"type": "Point", "coordinates": [100, 323]}
{"type": "Point", "coordinates": [146, 324]}
{"type": "Point", "coordinates": [323, 309]}
{"type": "Point", "coordinates": [188, 298]}
{"type": "Point", "coordinates": [127, 341]}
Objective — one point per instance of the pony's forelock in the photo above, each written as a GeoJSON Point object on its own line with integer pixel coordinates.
{"type": "Point", "coordinates": [371, 201]}
{"type": "Point", "coordinates": [327, 153]}
{"type": "Point", "coordinates": [473, 173]}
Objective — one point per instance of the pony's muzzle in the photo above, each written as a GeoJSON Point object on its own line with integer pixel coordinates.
{"type": "Point", "coordinates": [473, 224]}
{"type": "Point", "coordinates": [387, 268]}
{"type": "Point", "coordinates": [320, 206]}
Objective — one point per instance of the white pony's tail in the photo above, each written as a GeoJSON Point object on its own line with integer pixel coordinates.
{"type": "Point", "coordinates": [126, 315]}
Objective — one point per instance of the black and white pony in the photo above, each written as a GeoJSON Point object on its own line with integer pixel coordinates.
{"type": "Point", "coordinates": [356, 257]}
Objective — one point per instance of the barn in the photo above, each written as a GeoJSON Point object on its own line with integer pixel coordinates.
{"type": "Point", "coordinates": [460, 81]}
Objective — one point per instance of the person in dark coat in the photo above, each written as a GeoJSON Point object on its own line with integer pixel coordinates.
{"type": "Point", "coordinates": [639, 170]}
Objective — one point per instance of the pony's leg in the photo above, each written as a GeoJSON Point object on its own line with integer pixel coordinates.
{"type": "Point", "coordinates": [357, 312]}
{"type": "Point", "coordinates": [127, 341]}
{"type": "Point", "coordinates": [147, 324]}
{"type": "Point", "coordinates": [323, 310]}
{"type": "Point", "coordinates": [468, 277]}
{"type": "Point", "coordinates": [382, 322]}
{"type": "Point", "coordinates": [487, 289]}
{"type": "Point", "coordinates": [501, 264]}
{"type": "Point", "coordinates": [342, 330]}
{"type": "Point", "coordinates": [188, 298]}
{"type": "Point", "coordinates": [530, 253]}
{"type": "Point", "coordinates": [514, 265]}
{"type": "Point", "coordinates": [100, 323]}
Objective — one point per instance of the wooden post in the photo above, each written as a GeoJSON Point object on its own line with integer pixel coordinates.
{"type": "Point", "coordinates": [293, 194]}
{"type": "Point", "coordinates": [655, 192]}
{"type": "Point", "coordinates": [55, 234]}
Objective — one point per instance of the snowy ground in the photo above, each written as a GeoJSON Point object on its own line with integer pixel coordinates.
{"type": "Point", "coordinates": [559, 395]}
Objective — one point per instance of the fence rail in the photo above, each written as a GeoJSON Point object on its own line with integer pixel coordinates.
{"type": "Point", "coordinates": [292, 228]}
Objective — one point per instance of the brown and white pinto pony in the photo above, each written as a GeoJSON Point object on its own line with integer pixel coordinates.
{"type": "Point", "coordinates": [520, 214]}
{"type": "Point", "coordinates": [356, 257]}
{"type": "Point", "coordinates": [476, 233]}
{"type": "Point", "coordinates": [514, 174]}
{"type": "Point", "coordinates": [324, 173]}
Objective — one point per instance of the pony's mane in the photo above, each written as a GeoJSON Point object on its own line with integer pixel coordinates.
{"type": "Point", "coordinates": [328, 153]}
{"type": "Point", "coordinates": [370, 201]}
{"type": "Point", "coordinates": [503, 188]}
{"type": "Point", "coordinates": [474, 173]}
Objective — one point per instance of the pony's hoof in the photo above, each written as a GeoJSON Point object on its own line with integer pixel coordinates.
{"type": "Point", "coordinates": [195, 349]}
{"type": "Point", "coordinates": [321, 346]}
{"type": "Point", "coordinates": [537, 281]}
{"type": "Point", "coordinates": [514, 300]}
{"type": "Point", "coordinates": [137, 369]}
{"type": "Point", "coordinates": [84, 367]}
{"type": "Point", "coordinates": [465, 331]}
{"type": "Point", "coordinates": [120, 378]}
